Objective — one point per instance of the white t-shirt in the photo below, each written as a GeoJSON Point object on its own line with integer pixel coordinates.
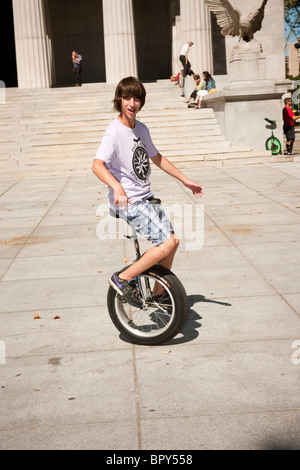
{"type": "Point", "coordinates": [184, 49]}
{"type": "Point", "coordinates": [126, 154]}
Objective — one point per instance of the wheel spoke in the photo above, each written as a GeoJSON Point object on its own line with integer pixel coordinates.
{"type": "Point", "coordinates": [154, 317]}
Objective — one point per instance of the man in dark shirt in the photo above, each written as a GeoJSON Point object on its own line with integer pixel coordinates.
{"type": "Point", "coordinates": [289, 125]}
{"type": "Point", "coordinates": [77, 67]}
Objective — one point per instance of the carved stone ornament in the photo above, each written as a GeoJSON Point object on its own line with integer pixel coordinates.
{"type": "Point", "coordinates": [234, 23]}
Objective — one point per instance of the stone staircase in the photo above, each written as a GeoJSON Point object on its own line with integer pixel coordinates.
{"type": "Point", "coordinates": [57, 131]}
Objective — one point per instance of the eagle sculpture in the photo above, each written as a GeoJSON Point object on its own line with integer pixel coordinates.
{"type": "Point", "coordinates": [233, 23]}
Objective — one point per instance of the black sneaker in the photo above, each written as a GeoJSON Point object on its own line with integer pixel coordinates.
{"type": "Point", "coordinates": [125, 289]}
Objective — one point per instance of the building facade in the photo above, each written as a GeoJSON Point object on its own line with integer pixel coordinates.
{"type": "Point", "coordinates": [118, 38]}
{"type": "Point", "coordinates": [294, 59]}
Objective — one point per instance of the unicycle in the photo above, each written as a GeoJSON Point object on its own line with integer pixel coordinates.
{"type": "Point", "coordinates": [272, 143]}
{"type": "Point", "coordinates": [160, 318]}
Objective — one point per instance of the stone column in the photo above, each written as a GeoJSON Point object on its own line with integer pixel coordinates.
{"type": "Point", "coordinates": [33, 63]}
{"type": "Point", "coordinates": [119, 40]}
{"type": "Point", "coordinates": [196, 27]}
{"type": "Point", "coordinates": [176, 45]}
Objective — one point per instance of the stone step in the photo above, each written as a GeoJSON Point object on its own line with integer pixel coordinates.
{"type": "Point", "coordinates": [57, 168]}
{"type": "Point", "coordinates": [58, 131]}
{"type": "Point", "coordinates": [204, 154]}
{"type": "Point", "coordinates": [76, 144]}
{"type": "Point", "coordinates": [64, 115]}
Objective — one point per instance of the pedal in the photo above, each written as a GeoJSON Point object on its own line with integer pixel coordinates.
{"type": "Point", "coordinates": [122, 298]}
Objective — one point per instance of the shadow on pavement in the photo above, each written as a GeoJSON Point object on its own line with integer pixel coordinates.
{"type": "Point", "coordinates": [189, 332]}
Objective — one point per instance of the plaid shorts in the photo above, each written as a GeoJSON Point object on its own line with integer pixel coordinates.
{"type": "Point", "coordinates": [149, 221]}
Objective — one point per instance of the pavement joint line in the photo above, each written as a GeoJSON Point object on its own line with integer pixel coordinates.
{"type": "Point", "coordinates": [137, 400]}
{"type": "Point", "coordinates": [11, 312]}
{"type": "Point", "coordinates": [159, 418]}
{"type": "Point", "coordinates": [236, 413]}
{"type": "Point", "coordinates": [252, 264]}
{"type": "Point", "coordinates": [258, 192]}
{"type": "Point", "coordinates": [282, 171]}
{"type": "Point", "coordinates": [8, 189]}
{"type": "Point", "coordinates": [35, 228]}
{"type": "Point", "coordinates": [238, 249]}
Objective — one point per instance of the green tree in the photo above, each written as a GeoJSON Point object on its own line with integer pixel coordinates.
{"type": "Point", "coordinates": [292, 18]}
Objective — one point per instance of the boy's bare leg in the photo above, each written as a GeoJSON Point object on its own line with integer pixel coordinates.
{"type": "Point", "coordinates": [162, 254]}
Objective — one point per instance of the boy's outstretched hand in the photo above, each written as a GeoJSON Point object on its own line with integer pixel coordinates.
{"type": "Point", "coordinates": [164, 164]}
{"type": "Point", "coordinates": [194, 187]}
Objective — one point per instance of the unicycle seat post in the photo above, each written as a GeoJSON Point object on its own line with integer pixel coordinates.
{"type": "Point", "coordinates": [153, 200]}
{"type": "Point", "coordinates": [134, 237]}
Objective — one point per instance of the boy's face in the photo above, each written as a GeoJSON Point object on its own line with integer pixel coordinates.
{"type": "Point", "coordinates": [130, 106]}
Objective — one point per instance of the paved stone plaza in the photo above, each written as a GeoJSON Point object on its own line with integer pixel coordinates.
{"type": "Point", "coordinates": [68, 379]}
{"type": "Point", "coordinates": [229, 381]}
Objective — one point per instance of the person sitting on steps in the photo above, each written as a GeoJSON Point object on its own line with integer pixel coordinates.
{"type": "Point", "coordinates": [209, 85]}
{"type": "Point", "coordinates": [199, 85]}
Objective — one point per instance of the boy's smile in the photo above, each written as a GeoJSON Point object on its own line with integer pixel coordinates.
{"type": "Point", "coordinates": [129, 108]}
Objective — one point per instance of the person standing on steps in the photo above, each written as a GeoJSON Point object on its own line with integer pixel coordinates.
{"type": "Point", "coordinates": [183, 57]}
{"type": "Point", "coordinates": [77, 67]}
{"type": "Point", "coordinates": [122, 162]}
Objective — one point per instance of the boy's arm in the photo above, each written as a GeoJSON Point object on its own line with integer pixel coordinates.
{"type": "Point", "coordinates": [106, 177]}
{"type": "Point", "coordinates": [164, 164]}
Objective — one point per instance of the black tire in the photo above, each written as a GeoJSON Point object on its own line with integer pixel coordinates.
{"type": "Point", "coordinates": [274, 145]}
{"type": "Point", "coordinates": [154, 323]}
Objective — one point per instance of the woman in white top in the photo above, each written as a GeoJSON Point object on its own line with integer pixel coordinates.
{"type": "Point", "coordinates": [209, 85]}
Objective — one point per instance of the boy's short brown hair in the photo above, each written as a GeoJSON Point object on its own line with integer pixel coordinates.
{"type": "Point", "coordinates": [129, 87]}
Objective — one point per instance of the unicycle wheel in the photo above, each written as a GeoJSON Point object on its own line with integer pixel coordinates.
{"type": "Point", "coordinates": [160, 318]}
{"type": "Point", "coordinates": [274, 145]}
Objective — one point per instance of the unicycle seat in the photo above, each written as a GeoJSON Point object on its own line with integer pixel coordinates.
{"type": "Point", "coordinates": [153, 200]}
{"type": "Point", "coordinates": [270, 121]}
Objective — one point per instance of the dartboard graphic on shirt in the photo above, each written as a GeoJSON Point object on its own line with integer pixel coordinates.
{"type": "Point", "coordinates": [140, 163]}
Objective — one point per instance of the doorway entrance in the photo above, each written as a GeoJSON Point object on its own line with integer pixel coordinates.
{"type": "Point", "coordinates": [153, 36]}
{"type": "Point", "coordinates": [77, 25]}
{"type": "Point", "coordinates": [7, 45]}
